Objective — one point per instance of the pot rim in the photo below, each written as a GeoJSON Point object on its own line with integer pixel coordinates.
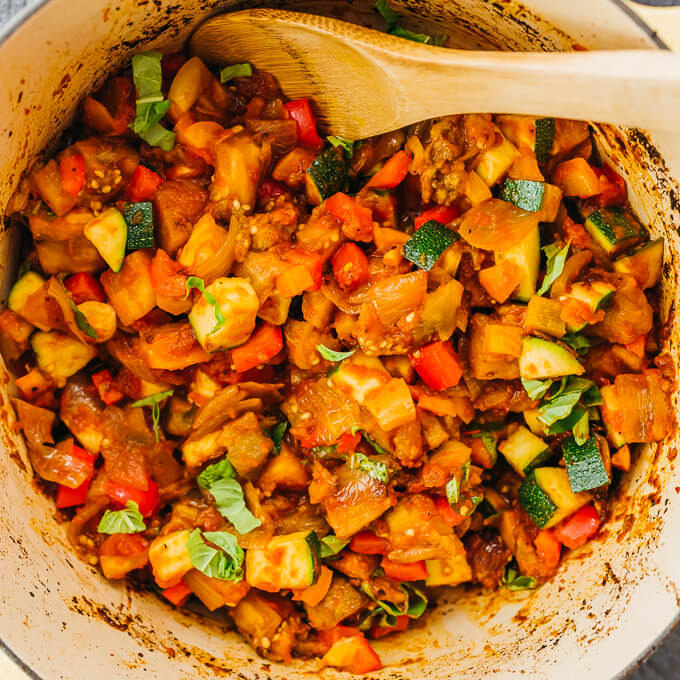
{"type": "Point", "coordinates": [25, 14]}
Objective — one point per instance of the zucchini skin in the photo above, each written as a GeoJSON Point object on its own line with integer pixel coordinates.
{"type": "Point", "coordinates": [328, 172]}
{"type": "Point", "coordinates": [613, 229]}
{"type": "Point", "coordinates": [427, 245]}
{"type": "Point", "coordinates": [536, 502]}
{"type": "Point", "coordinates": [545, 137]}
{"type": "Point", "coordinates": [524, 193]}
{"type": "Point", "coordinates": [584, 465]}
{"type": "Point", "coordinates": [139, 220]}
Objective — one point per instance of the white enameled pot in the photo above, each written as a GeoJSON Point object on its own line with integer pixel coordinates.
{"type": "Point", "coordinates": [608, 605]}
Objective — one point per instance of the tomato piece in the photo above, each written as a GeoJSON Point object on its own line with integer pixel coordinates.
{"type": "Point", "coordinates": [72, 173]}
{"type": "Point", "coordinates": [166, 278]}
{"type": "Point", "coordinates": [548, 548]}
{"type": "Point", "coordinates": [68, 498]}
{"type": "Point", "coordinates": [301, 112]}
{"type": "Point", "coordinates": [104, 384]}
{"type": "Point", "coordinates": [381, 631]}
{"type": "Point", "coordinates": [441, 213]}
{"type": "Point", "coordinates": [147, 500]}
{"type": "Point", "coordinates": [410, 571]}
{"type": "Point", "coordinates": [85, 287]}
{"type": "Point", "coordinates": [367, 543]}
{"type": "Point", "coordinates": [437, 364]}
{"type": "Point", "coordinates": [357, 219]}
{"type": "Point", "coordinates": [178, 594]}
{"type": "Point", "coordinates": [392, 173]}
{"type": "Point", "coordinates": [350, 267]}
{"type": "Point", "coordinates": [264, 344]}
{"type": "Point", "coordinates": [613, 186]}
{"type": "Point", "coordinates": [143, 184]}
{"type": "Point", "coordinates": [351, 652]}
{"type": "Point", "coordinates": [312, 262]}
{"type": "Point", "coordinates": [579, 528]}
{"type": "Point", "coordinates": [119, 554]}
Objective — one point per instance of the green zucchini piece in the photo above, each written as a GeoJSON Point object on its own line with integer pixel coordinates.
{"type": "Point", "coordinates": [595, 294]}
{"type": "Point", "coordinates": [27, 285]}
{"type": "Point", "coordinates": [644, 263]}
{"type": "Point", "coordinates": [537, 134]}
{"type": "Point", "coordinates": [527, 256]}
{"type": "Point", "coordinates": [547, 497]}
{"type": "Point", "coordinates": [524, 450]}
{"type": "Point", "coordinates": [139, 220]}
{"type": "Point", "coordinates": [584, 465]}
{"type": "Point", "coordinates": [542, 359]}
{"type": "Point", "coordinates": [328, 174]}
{"type": "Point", "coordinates": [524, 193]}
{"type": "Point", "coordinates": [287, 562]}
{"type": "Point", "coordinates": [613, 229]}
{"type": "Point", "coordinates": [59, 355]}
{"type": "Point", "coordinates": [108, 234]}
{"type": "Point", "coordinates": [426, 246]}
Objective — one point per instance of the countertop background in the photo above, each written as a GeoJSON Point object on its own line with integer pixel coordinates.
{"type": "Point", "coordinates": [664, 663]}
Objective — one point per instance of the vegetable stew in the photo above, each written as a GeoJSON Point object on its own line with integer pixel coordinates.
{"type": "Point", "coordinates": [310, 381]}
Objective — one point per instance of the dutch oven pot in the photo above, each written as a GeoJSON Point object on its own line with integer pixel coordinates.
{"type": "Point", "coordinates": [608, 605]}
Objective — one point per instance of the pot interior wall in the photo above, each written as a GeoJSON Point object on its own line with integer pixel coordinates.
{"type": "Point", "coordinates": [606, 604]}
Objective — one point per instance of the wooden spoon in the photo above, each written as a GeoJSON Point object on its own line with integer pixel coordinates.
{"type": "Point", "coordinates": [365, 82]}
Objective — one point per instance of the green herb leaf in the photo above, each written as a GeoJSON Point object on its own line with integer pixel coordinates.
{"type": "Point", "coordinates": [536, 388]}
{"type": "Point", "coordinates": [330, 451]}
{"type": "Point", "coordinates": [417, 601]}
{"type": "Point", "coordinates": [402, 32]}
{"type": "Point", "coordinates": [453, 491]}
{"type": "Point", "coordinates": [225, 563]}
{"type": "Point", "coordinates": [331, 545]}
{"type": "Point", "coordinates": [276, 434]}
{"type": "Point", "coordinates": [555, 266]}
{"type": "Point", "coordinates": [561, 405]}
{"type": "Point", "coordinates": [592, 397]}
{"type": "Point", "coordinates": [581, 430]}
{"type": "Point", "coordinates": [80, 318]}
{"type": "Point", "coordinates": [370, 440]}
{"type": "Point", "coordinates": [154, 401]}
{"type": "Point", "coordinates": [513, 581]}
{"type": "Point", "coordinates": [346, 144]}
{"type": "Point", "coordinates": [150, 105]}
{"type": "Point", "coordinates": [476, 500]}
{"type": "Point", "coordinates": [235, 71]}
{"type": "Point", "coordinates": [376, 469]}
{"type": "Point", "coordinates": [580, 343]}
{"type": "Point", "coordinates": [199, 284]}
{"type": "Point", "coordinates": [568, 423]}
{"type": "Point", "coordinates": [393, 27]}
{"type": "Point", "coordinates": [333, 355]}
{"type": "Point", "coordinates": [126, 521]}
{"type": "Point", "coordinates": [213, 473]}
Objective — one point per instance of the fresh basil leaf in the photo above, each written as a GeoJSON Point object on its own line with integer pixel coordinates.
{"type": "Point", "coordinates": [147, 74]}
{"type": "Point", "coordinates": [150, 112]}
{"type": "Point", "coordinates": [199, 284]}
{"type": "Point", "coordinates": [80, 318]}
{"type": "Point", "coordinates": [581, 429]}
{"type": "Point", "coordinates": [489, 442]}
{"type": "Point", "coordinates": [126, 521]}
{"type": "Point", "coordinates": [213, 473]}
{"type": "Point", "coordinates": [231, 504]}
{"type": "Point", "coordinates": [555, 265]}
{"type": "Point", "coordinates": [393, 27]}
{"type": "Point", "coordinates": [330, 451]}
{"type": "Point", "coordinates": [331, 545]}
{"type": "Point", "coordinates": [333, 355]}
{"type": "Point", "coordinates": [225, 563]}
{"type": "Point", "coordinates": [154, 401]}
{"type": "Point", "coordinates": [376, 469]}
{"type": "Point", "coordinates": [276, 434]}
{"type": "Point", "coordinates": [158, 136]}
{"type": "Point", "coordinates": [453, 491]}
{"type": "Point", "coordinates": [536, 388]}
{"type": "Point", "coordinates": [513, 581]}
{"type": "Point", "coordinates": [561, 405]}
{"type": "Point", "coordinates": [346, 144]}
{"type": "Point", "coordinates": [417, 601]}
{"type": "Point", "coordinates": [402, 32]}
{"type": "Point", "coordinates": [476, 500]}
{"type": "Point", "coordinates": [235, 71]}
{"type": "Point", "coordinates": [387, 13]}
{"type": "Point", "coordinates": [592, 396]}
{"type": "Point", "coordinates": [567, 424]}
{"type": "Point", "coordinates": [580, 343]}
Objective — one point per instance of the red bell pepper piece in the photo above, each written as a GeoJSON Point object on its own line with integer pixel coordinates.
{"type": "Point", "coordinates": [147, 500]}
{"type": "Point", "coordinates": [349, 650]}
{"type": "Point", "coordinates": [579, 528]}
{"type": "Point", "coordinates": [312, 262]}
{"type": "Point", "coordinates": [104, 384]}
{"type": "Point", "coordinates": [437, 364]}
{"type": "Point", "coordinates": [410, 571]}
{"type": "Point", "coordinates": [348, 442]}
{"type": "Point", "coordinates": [165, 275]}
{"type": "Point", "coordinates": [270, 188]}
{"type": "Point", "coordinates": [68, 498]}
{"type": "Point", "coordinates": [441, 213]}
{"type": "Point", "coordinates": [448, 514]}
{"type": "Point", "coordinates": [357, 219]}
{"type": "Point", "coordinates": [548, 548]}
{"type": "Point", "coordinates": [381, 631]}
{"type": "Point", "coordinates": [264, 344]}
{"type": "Point", "coordinates": [350, 267]}
{"type": "Point", "coordinates": [178, 594]}
{"type": "Point", "coordinates": [85, 287]}
{"type": "Point", "coordinates": [392, 173]}
{"type": "Point", "coordinates": [83, 455]}
{"type": "Point", "coordinates": [613, 186]}
{"type": "Point", "coordinates": [301, 112]}
{"type": "Point", "coordinates": [143, 184]}
{"type": "Point", "coordinates": [367, 543]}
{"type": "Point", "coordinates": [72, 173]}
